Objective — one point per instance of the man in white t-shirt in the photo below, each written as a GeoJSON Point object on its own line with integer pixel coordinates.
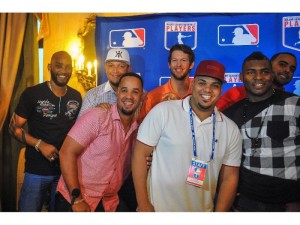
{"type": "Point", "coordinates": [196, 150]}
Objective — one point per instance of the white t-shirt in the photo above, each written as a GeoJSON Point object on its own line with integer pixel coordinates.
{"type": "Point", "coordinates": [167, 127]}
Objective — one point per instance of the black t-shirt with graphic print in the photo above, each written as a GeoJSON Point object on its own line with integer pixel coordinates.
{"type": "Point", "coordinates": [48, 118]}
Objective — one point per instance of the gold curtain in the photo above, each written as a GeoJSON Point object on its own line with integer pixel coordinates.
{"type": "Point", "coordinates": [26, 75]}
{"type": "Point", "coordinates": [12, 28]}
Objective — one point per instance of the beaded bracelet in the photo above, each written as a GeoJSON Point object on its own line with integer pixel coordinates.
{"type": "Point", "coordinates": [78, 201]}
{"type": "Point", "coordinates": [37, 145]}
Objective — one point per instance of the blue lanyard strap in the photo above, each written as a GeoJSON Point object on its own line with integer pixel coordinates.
{"type": "Point", "coordinates": [194, 137]}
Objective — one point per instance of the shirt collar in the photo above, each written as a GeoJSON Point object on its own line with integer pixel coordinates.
{"type": "Point", "coordinates": [186, 107]}
{"type": "Point", "coordinates": [116, 116]}
{"type": "Point", "coordinates": [108, 87]}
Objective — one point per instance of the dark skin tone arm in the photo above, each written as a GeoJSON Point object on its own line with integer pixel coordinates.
{"type": "Point", "coordinates": [139, 173]}
{"type": "Point", "coordinates": [16, 128]}
{"type": "Point", "coordinates": [228, 182]}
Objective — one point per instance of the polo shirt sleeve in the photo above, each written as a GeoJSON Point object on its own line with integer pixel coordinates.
{"type": "Point", "coordinates": [151, 128]}
{"type": "Point", "coordinates": [233, 152]}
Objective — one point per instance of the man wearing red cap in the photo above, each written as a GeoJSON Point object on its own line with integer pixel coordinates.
{"type": "Point", "coordinates": [195, 149]}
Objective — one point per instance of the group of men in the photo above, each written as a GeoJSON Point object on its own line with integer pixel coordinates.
{"type": "Point", "coordinates": [209, 152]}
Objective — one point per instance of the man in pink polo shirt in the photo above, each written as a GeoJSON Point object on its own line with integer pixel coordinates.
{"type": "Point", "coordinates": [96, 155]}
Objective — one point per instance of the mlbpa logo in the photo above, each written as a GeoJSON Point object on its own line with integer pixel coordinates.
{"type": "Point", "coordinates": [291, 32]}
{"type": "Point", "coordinates": [180, 33]}
{"type": "Point", "coordinates": [129, 38]}
{"type": "Point", "coordinates": [238, 34]}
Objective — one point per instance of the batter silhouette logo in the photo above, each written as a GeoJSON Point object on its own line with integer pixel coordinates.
{"type": "Point", "coordinates": [291, 32]}
{"type": "Point", "coordinates": [180, 33]}
{"type": "Point", "coordinates": [238, 34]}
{"type": "Point", "coordinates": [127, 38]}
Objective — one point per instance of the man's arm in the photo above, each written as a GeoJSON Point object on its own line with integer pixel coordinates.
{"type": "Point", "coordinates": [16, 130]}
{"type": "Point", "coordinates": [228, 182]}
{"type": "Point", "coordinates": [139, 173]}
{"type": "Point", "coordinates": [69, 153]}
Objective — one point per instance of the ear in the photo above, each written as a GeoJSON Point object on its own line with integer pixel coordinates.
{"type": "Point", "coordinates": [192, 65]}
{"type": "Point", "coordinates": [143, 96]}
{"type": "Point", "coordinates": [241, 76]}
{"type": "Point", "coordinates": [49, 66]}
{"type": "Point", "coordinates": [129, 69]}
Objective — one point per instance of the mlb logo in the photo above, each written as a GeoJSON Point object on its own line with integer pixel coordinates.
{"type": "Point", "coordinates": [180, 33]}
{"type": "Point", "coordinates": [238, 34]}
{"type": "Point", "coordinates": [127, 38]}
{"type": "Point", "coordinates": [291, 32]}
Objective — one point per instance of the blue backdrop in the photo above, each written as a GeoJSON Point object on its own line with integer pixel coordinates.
{"type": "Point", "coordinates": [228, 38]}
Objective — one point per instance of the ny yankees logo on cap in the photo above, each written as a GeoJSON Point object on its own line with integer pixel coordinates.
{"type": "Point", "coordinates": [118, 54]}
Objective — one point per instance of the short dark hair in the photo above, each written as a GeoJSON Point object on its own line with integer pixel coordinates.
{"type": "Point", "coordinates": [184, 48]}
{"type": "Point", "coordinates": [256, 56]}
{"type": "Point", "coordinates": [281, 53]}
{"type": "Point", "coordinates": [131, 74]}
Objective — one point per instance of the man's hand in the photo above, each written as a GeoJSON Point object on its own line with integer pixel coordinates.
{"type": "Point", "coordinates": [105, 106]}
{"type": "Point", "coordinates": [48, 151]}
{"type": "Point", "coordinates": [169, 96]}
{"type": "Point", "coordinates": [149, 161]}
{"type": "Point", "coordinates": [82, 206]}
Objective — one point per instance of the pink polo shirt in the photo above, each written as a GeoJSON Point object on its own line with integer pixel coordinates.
{"type": "Point", "coordinates": [106, 161]}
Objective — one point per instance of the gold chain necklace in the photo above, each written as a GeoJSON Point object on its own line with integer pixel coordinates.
{"type": "Point", "coordinates": [52, 90]}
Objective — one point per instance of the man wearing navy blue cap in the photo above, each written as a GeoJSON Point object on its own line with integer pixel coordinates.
{"type": "Point", "coordinates": [195, 149]}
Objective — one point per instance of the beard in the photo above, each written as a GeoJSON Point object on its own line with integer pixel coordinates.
{"type": "Point", "coordinates": [180, 77]}
{"type": "Point", "coordinates": [55, 80]}
{"type": "Point", "coordinates": [204, 108]}
{"type": "Point", "coordinates": [127, 112]}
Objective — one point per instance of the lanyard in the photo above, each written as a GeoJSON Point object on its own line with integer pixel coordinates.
{"type": "Point", "coordinates": [194, 137]}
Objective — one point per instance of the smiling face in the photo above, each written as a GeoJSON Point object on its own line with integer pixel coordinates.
{"type": "Point", "coordinates": [180, 65]}
{"type": "Point", "coordinates": [284, 67]}
{"type": "Point", "coordinates": [206, 92]}
{"type": "Point", "coordinates": [129, 95]}
{"type": "Point", "coordinates": [60, 68]}
{"type": "Point", "coordinates": [114, 70]}
{"type": "Point", "coordinates": [258, 78]}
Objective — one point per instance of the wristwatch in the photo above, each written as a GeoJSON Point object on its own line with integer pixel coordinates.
{"type": "Point", "coordinates": [75, 194]}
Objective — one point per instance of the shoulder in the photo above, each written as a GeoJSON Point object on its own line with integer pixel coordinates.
{"type": "Point", "coordinates": [40, 88]}
{"type": "Point", "coordinates": [73, 91]}
{"type": "Point", "coordinates": [228, 121]}
{"type": "Point", "coordinates": [168, 106]}
{"type": "Point", "coordinates": [234, 109]}
{"type": "Point", "coordinates": [286, 98]}
{"type": "Point", "coordinates": [231, 96]}
{"type": "Point", "coordinates": [96, 90]}
{"type": "Point", "coordinates": [96, 115]}
{"type": "Point", "coordinates": [157, 90]}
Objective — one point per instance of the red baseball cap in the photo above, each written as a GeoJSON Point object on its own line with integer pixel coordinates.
{"type": "Point", "coordinates": [211, 68]}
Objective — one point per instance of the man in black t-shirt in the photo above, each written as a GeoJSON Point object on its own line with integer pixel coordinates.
{"type": "Point", "coordinates": [50, 110]}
